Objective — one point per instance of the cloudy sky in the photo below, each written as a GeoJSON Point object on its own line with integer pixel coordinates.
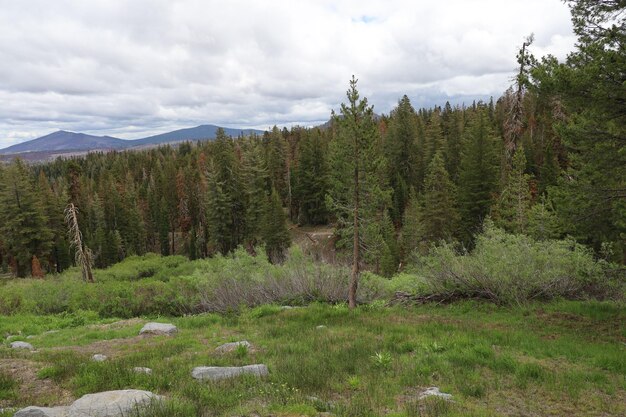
{"type": "Point", "coordinates": [130, 68]}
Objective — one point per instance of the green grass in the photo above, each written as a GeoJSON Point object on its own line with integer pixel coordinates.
{"type": "Point", "coordinates": [547, 359]}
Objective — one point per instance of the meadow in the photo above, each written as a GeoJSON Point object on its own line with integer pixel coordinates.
{"type": "Point", "coordinates": [550, 357]}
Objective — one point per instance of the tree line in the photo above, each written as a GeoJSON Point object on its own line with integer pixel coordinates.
{"type": "Point", "coordinates": [546, 159]}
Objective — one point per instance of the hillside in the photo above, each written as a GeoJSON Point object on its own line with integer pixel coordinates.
{"type": "Point", "coordinates": [62, 141]}
{"type": "Point", "coordinates": [66, 141]}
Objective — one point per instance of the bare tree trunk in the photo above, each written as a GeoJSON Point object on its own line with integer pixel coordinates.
{"type": "Point", "coordinates": [84, 257]}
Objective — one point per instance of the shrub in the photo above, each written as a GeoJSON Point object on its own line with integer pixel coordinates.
{"type": "Point", "coordinates": [514, 269]}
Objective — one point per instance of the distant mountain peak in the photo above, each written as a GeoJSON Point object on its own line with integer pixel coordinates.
{"type": "Point", "coordinates": [66, 141]}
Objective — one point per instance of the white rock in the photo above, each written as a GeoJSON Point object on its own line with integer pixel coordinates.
{"type": "Point", "coordinates": [99, 358]}
{"type": "Point", "coordinates": [434, 392]}
{"type": "Point", "coordinates": [231, 347]}
{"type": "Point", "coordinates": [42, 412]}
{"type": "Point", "coordinates": [216, 373]}
{"type": "Point", "coordinates": [142, 370]}
{"type": "Point", "coordinates": [21, 345]}
{"type": "Point", "coordinates": [320, 327]}
{"type": "Point", "coordinates": [158, 328]}
{"type": "Point", "coordinates": [111, 403]}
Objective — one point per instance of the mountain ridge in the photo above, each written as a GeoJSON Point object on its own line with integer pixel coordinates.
{"type": "Point", "coordinates": [65, 141]}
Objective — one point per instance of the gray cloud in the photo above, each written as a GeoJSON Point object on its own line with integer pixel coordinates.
{"type": "Point", "coordinates": [133, 68]}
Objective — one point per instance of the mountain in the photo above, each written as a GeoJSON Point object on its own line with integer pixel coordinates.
{"type": "Point", "coordinates": [192, 133]}
{"type": "Point", "coordinates": [63, 141]}
{"type": "Point", "coordinates": [66, 141]}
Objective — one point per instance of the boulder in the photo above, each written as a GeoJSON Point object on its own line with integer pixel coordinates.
{"type": "Point", "coordinates": [142, 370]}
{"type": "Point", "coordinates": [216, 373]}
{"type": "Point", "coordinates": [111, 403]}
{"type": "Point", "coordinates": [434, 392]}
{"type": "Point", "coordinates": [42, 412]}
{"type": "Point", "coordinates": [158, 328]}
{"type": "Point", "coordinates": [21, 345]}
{"type": "Point", "coordinates": [231, 347]}
{"type": "Point", "coordinates": [99, 358]}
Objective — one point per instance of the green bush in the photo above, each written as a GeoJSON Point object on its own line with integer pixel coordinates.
{"type": "Point", "coordinates": [514, 269]}
{"type": "Point", "coordinates": [153, 285]}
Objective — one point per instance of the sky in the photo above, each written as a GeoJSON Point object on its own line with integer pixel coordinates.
{"type": "Point", "coordinates": [133, 68]}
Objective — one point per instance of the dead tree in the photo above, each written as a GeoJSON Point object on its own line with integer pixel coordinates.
{"type": "Point", "coordinates": [83, 255]}
{"type": "Point", "coordinates": [513, 123]}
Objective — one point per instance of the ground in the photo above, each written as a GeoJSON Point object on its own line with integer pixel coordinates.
{"type": "Point", "coordinates": [563, 358]}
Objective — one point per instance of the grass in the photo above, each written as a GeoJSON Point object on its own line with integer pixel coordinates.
{"type": "Point", "coordinates": [541, 359]}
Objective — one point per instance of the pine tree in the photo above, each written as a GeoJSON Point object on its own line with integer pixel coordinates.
{"type": "Point", "coordinates": [275, 234]}
{"type": "Point", "coordinates": [478, 176]}
{"type": "Point", "coordinates": [511, 209]}
{"type": "Point", "coordinates": [411, 229]}
{"type": "Point", "coordinates": [23, 222]}
{"type": "Point", "coordinates": [543, 223]}
{"type": "Point", "coordinates": [356, 194]}
{"type": "Point", "coordinates": [312, 179]}
{"type": "Point", "coordinates": [439, 212]}
{"type": "Point", "coordinates": [589, 86]}
{"type": "Point", "coordinates": [402, 155]}
{"type": "Point", "coordinates": [256, 183]}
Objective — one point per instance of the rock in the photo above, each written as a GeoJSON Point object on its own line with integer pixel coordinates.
{"type": "Point", "coordinates": [21, 345]}
{"type": "Point", "coordinates": [158, 328]}
{"type": "Point", "coordinates": [231, 347]}
{"type": "Point", "coordinates": [320, 327]}
{"type": "Point", "coordinates": [142, 370]}
{"type": "Point", "coordinates": [216, 373]}
{"type": "Point", "coordinates": [42, 412]}
{"type": "Point", "coordinates": [111, 403]}
{"type": "Point", "coordinates": [434, 392]}
{"type": "Point", "coordinates": [99, 358]}
{"type": "Point", "coordinates": [30, 336]}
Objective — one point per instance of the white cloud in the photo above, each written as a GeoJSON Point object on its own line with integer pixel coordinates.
{"type": "Point", "coordinates": [129, 68]}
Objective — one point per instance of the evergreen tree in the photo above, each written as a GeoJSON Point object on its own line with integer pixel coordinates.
{"type": "Point", "coordinates": [411, 229]}
{"type": "Point", "coordinates": [357, 193]}
{"type": "Point", "coordinates": [23, 222]}
{"type": "Point", "coordinates": [591, 197]}
{"type": "Point", "coordinates": [439, 212]}
{"type": "Point", "coordinates": [256, 182]}
{"type": "Point", "coordinates": [478, 175]}
{"type": "Point", "coordinates": [543, 223]}
{"type": "Point", "coordinates": [312, 179]}
{"type": "Point", "coordinates": [402, 155]}
{"type": "Point", "coordinates": [274, 230]}
{"type": "Point", "coordinates": [511, 210]}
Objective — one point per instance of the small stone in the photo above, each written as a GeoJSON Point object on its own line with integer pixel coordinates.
{"type": "Point", "coordinates": [159, 328]}
{"type": "Point", "coordinates": [231, 347]}
{"type": "Point", "coordinates": [42, 412]}
{"type": "Point", "coordinates": [21, 345]}
{"type": "Point", "coordinates": [216, 373]}
{"type": "Point", "coordinates": [320, 327]}
{"type": "Point", "coordinates": [99, 358]}
{"type": "Point", "coordinates": [30, 336]}
{"type": "Point", "coordinates": [142, 370]}
{"type": "Point", "coordinates": [434, 392]}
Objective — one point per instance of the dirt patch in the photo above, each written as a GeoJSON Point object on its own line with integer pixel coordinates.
{"type": "Point", "coordinates": [110, 347]}
{"type": "Point", "coordinates": [117, 325]}
{"type": "Point", "coordinates": [33, 390]}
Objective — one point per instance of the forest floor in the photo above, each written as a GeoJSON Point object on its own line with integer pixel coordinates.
{"type": "Point", "coordinates": [562, 358]}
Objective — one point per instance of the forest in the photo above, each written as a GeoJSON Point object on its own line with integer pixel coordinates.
{"type": "Point", "coordinates": [546, 159]}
